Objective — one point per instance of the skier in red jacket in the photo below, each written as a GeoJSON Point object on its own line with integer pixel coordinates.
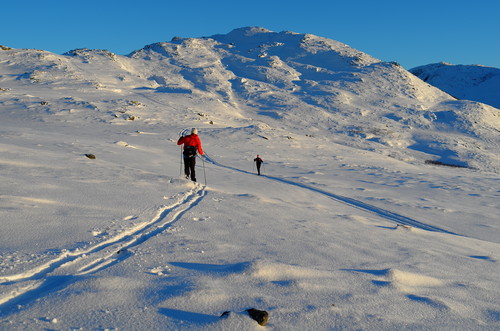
{"type": "Point", "coordinates": [192, 144]}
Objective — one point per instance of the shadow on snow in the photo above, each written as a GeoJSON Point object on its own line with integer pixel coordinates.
{"type": "Point", "coordinates": [386, 214]}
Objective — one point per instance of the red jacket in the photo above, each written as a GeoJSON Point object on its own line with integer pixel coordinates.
{"type": "Point", "coordinates": [191, 140]}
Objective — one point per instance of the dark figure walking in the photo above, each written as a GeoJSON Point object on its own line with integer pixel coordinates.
{"type": "Point", "coordinates": [192, 144]}
{"type": "Point", "coordinates": [258, 161]}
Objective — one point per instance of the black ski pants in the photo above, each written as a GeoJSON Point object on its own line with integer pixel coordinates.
{"type": "Point", "coordinates": [189, 165]}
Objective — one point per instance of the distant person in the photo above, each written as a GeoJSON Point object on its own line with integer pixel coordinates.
{"type": "Point", "coordinates": [192, 144]}
{"type": "Point", "coordinates": [258, 161]}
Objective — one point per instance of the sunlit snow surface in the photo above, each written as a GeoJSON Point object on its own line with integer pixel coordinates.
{"type": "Point", "coordinates": [347, 228]}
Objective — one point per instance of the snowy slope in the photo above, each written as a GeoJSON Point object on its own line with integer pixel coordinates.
{"type": "Point", "coordinates": [302, 79]}
{"type": "Point", "coordinates": [470, 82]}
{"type": "Point", "coordinates": [348, 228]}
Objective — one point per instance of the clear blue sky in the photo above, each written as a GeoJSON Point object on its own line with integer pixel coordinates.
{"type": "Point", "coordinates": [412, 33]}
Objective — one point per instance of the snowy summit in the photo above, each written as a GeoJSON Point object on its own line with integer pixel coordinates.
{"type": "Point", "coordinates": [376, 208]}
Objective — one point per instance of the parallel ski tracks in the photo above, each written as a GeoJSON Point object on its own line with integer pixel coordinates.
{"type": "Point", "coordinates": [70, 265]}
{"type": "Point", "coordinates": [360, 205]}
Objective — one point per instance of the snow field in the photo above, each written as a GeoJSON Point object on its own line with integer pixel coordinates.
{"type": "Point", "coordinates": [346, 229]}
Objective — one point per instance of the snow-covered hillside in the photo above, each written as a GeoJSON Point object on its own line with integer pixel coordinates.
{"type": "Point", "coordinates": [469, 82]}
{"type": "Point", "coordinates": [314, 85]}
{"type": "Point", "coordinates": [350, 226]}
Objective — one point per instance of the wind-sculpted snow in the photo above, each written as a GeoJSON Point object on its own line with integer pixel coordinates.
{"type": "Point", "coordinates": [355, 208]}
{"type": "Point", "coordinates": [391, 216]}
{"type": "Point", "coordinates": [69, 266]}
{"type": "Point", "coordinates": [307, 83]}
{"type": "Point", "coordinates": [330, 83]}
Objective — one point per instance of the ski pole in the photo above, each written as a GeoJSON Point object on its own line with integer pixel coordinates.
{"type": "Point", "coordinates": [180, 164]}
{"type": "Point", "coordinates": [204, 173]}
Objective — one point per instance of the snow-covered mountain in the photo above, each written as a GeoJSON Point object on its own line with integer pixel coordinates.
{"type": "Point", "coordinates": [304, 84]}
{"type": "Point", "coordinates": [350, 226]}
{"type": "Point", "coordinates": [469, 82]}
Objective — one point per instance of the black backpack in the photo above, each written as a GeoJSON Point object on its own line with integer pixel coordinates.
{"type": "Point", "coordinates": [189, 151]}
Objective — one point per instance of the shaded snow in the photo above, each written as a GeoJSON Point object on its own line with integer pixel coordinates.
{"type": "Point", "coordinates": [470, 82]}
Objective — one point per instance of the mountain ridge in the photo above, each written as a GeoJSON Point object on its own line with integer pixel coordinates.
{"type": "Point", "coordinates": [101, 229]}
{"type": "Point", "coordinates": [300, 83]}
{"type": "Point", "coordinates": [472, 82]}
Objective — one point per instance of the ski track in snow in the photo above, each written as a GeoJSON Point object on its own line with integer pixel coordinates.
{"type": "Point", "coordinates": [26, 287]}
{"type": "Point", "coordinates": [386, 214]}
{"type": "Point", "coordinates": [59, 272]}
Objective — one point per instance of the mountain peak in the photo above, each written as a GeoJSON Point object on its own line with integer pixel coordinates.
{"type": "Point", "coordinates": [249, 31]}
{"type": "Point", "coordinates": [301, 82]}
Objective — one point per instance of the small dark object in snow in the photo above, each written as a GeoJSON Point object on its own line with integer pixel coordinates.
{"type": "Point", "coordinates": [90, 156]}
{"type": "Point", "coordinates": [261, 316]}
{"type": "Point", "coordinates": [225, 314]}
{"type": "Point", "coordinates": [439, 163]}
{"type": "Point", "coordinates": [406, 227]}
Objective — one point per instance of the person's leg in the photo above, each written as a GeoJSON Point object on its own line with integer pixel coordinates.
{"type": "Point", "coordinates": [192, 167]}
{"type": "Point", "coordinates": [186, 167]}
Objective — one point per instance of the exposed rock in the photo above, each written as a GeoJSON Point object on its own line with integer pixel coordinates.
{"type": "Point", "coordinates": [261, 316]}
